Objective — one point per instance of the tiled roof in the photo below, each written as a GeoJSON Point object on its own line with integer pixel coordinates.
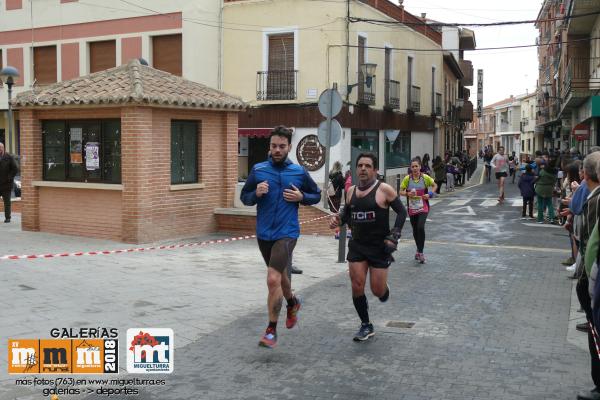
{"type": "Point", "coordinates": [132, 83]}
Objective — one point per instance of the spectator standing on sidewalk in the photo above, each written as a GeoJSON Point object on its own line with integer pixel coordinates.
{"type": "Point", "coordinates": [487, 159]}
{"type": "Point", "coordinates": [8, 171]}
{"type": "Point", "coordinates": [544, 190]}
{"type": "Point", "coordinates": [439, 173]}
{"type": "Point", "coordinates": [526, 185]}
{"type": "Point", "coordinates": [425, 164]}
{"type": "Point", "coordinates": [590, 214]}
{"type": "Point", "coordinates": [336, 187]}
{"type": "Point", "coordinates": [277, 187]}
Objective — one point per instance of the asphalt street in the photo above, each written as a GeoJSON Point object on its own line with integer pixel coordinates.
{"type": "Point", "coordinates": [487, 316]}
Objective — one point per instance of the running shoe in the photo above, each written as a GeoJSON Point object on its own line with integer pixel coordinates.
{"type": "Point", "coordinates": [292, 313]}
{"type": "Point", "coordinates": [571, 268]}
{"type": "Point", "coordinates": [421, 258]}
{"type": "Point", "coordinates": [269, 339]}
{"type": "Point", "coordinates": [364, 333]}
{"type": "Point", "coordinates": [417, 255]}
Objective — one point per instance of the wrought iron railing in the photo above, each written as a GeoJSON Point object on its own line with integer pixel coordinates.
{"type": "Point", "coordinates": [438, 104]}
{"type": "Point", "coordinates": [392, 99]}
{"type": "Point", "coordinates": [366, 90]}
{"type": "Point", "coordinates": [276, 85]}
{"type": "Point", "coordinates": [414, 101]}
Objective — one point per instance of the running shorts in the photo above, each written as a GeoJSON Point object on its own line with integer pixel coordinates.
{"type": "Point", "coordinates": [277, 253]}
{"type": "Point", "coordinates": [501, 174]}
{"type": "Point", "coordinates": [375, 256]}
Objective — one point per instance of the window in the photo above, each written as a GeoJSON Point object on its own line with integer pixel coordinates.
{"type": "Point", "coordinates": [44, 65]}
{"type": "Point", "coordinates": [397, 149]}
{"type": "Point", "coordinates": [184, 152]}
{"type": "Point", "coordinates": [281, 76]}
{"type": "Point", "coordinates": [82, 151]}
{"type": "Point", "coordinates": [166, 53]}
{"type": "Point", "coordinates": [103, 55]}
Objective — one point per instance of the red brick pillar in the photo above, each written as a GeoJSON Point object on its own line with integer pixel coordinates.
{"type": "Point", "coordinates": [136, 174]}
{"type": "Point", "coordinates": [31, 169]}
{"type": "Point", "coordinates": [230, 158]}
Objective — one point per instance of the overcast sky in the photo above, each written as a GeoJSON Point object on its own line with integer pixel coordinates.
{"type": "Point", "coordinates": [506, 72]}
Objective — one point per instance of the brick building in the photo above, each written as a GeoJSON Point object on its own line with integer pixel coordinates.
{"type": "Point", "coordinates": [130, 153]}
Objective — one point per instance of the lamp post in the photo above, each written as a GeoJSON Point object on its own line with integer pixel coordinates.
{"type": "Point", "coordinates": [8, 75]}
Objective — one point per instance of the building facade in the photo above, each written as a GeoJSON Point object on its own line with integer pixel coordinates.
{"type": "Point", "coordinates": [531, 141]}
{"type": "Point", "coordinates": [393, 99]}
{"type": "Point", "coordinates": [568, 107]}
{"type": "Point", "coordinates": [51, 41]}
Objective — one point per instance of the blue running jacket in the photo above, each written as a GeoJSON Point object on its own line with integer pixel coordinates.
{"type": "Point", "coordinates": [277, 218]}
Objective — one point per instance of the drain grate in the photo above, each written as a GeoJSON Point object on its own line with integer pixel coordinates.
{"type": "Point", "coordinates": [400, 324]}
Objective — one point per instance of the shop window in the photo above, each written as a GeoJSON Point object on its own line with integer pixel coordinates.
{"type": "Point", "coordinates": [184, 152]}
{"type": "Point", "coordinates": [397, 149]}
{"type": "Point", "coordinates": [82, 151]}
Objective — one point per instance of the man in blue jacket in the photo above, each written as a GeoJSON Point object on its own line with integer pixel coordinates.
{"type": "Point", "coordinates": [277, 187]}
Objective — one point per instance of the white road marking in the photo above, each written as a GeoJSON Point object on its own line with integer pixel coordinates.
{"type": "Point", "coordinates": [460, 202]}
{"type": "Point", "coordinates": [433, 202]}
{"type": "Point", "coordinates": [466, 210]}
{"type": "Point", "coordinates": [489, 203]}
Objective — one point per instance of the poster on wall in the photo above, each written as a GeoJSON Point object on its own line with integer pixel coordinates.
{"type": "Point", "coordinates": [75, 145]}
{"type": "Point", "coordinates": [92, 156]}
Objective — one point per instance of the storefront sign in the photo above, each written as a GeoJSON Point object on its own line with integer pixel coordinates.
{"type": "Point", "coordinates": [310, 153]}
{"type": "Point", "coordinates": [581, 132]}
{"type": "Point", "coordinates": [479, 92]}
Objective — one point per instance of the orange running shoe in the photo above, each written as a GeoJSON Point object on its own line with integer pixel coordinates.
{"type": "Point", "coordinates": [269, 339]}
{"type": "Point", "coordinates": [292, 313]}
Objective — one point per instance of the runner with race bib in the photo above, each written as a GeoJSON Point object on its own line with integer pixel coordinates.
{"type": "Point", "coordinates": [418, 189]}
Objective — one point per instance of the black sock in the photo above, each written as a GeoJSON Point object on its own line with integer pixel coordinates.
{"type": "Point", "coordinates": [273, 325]}
{"type": "Point", "coordinates": [362, 308]}
{"type": "Point", "coordinates": [385, 296]}
{"type": "Point", "coordinates": [291, 301]}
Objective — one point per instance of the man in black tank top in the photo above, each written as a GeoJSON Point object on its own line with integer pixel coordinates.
{"type": "Point", "coordinates": [372, 244]}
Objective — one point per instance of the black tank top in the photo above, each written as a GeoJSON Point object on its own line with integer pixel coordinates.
{"type": "Point", "coordinates": [370, 223]}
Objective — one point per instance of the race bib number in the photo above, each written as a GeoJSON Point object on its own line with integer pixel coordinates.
{"type": "Point", "coordinates": [415, 203]}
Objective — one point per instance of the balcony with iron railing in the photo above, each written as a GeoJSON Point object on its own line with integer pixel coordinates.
{"type": "Point", "coordinates": [276, 85]}
{"type": "Point", "coordinates": [366, 90]}
{"type": "Point", "coordinates": [414, 99]}
{"type": "Point", "coordinates": [578, 79]}
{"type": "Point", "coordinates": [504, 127]}
{"type": "Point", "coordinates": [438, 104]}
{"type": "Point", "coordinates": [392, 94]}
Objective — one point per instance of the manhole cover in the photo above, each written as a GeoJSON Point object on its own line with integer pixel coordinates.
{"type": "Point", "coordinates": [400, 324]}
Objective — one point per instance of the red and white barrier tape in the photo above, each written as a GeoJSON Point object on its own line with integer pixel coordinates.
{"type": "Point", "coordinates": [139, 249]}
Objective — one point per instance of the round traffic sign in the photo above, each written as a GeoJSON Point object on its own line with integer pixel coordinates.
{"type": "Point", "coordinates": [330, 103]}
{"type": "Point", "coordinates": [336, 133]}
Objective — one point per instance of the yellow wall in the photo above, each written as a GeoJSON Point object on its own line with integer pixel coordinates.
{"type": "Point", "coordinates": [317, 25]}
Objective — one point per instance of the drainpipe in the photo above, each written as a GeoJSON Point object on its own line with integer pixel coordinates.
{"type": "Point", "coordinates": [220, 66]}
{"type": "Point", "coordinates": [347, 49]}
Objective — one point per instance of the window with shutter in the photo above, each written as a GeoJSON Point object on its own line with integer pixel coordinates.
{"type": "Point", "coordinates": [281, 79]}
{"type": "Point", "coordinates": [184, 152]}
{"type": "Point", "coordinates": [103, 55]}
{"type": "Point", "coordinates": [44, 65]}
{"type": "Point", "coordinates": [166, 53]}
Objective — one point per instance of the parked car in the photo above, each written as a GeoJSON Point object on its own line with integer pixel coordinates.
{"type": "Point", "coordinates": [17, 186]}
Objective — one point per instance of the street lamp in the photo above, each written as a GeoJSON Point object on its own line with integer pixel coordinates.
{"type": "Point", "coordinates": [8, 75]}
{"type": "Point", "coordinates": [368, 71]}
